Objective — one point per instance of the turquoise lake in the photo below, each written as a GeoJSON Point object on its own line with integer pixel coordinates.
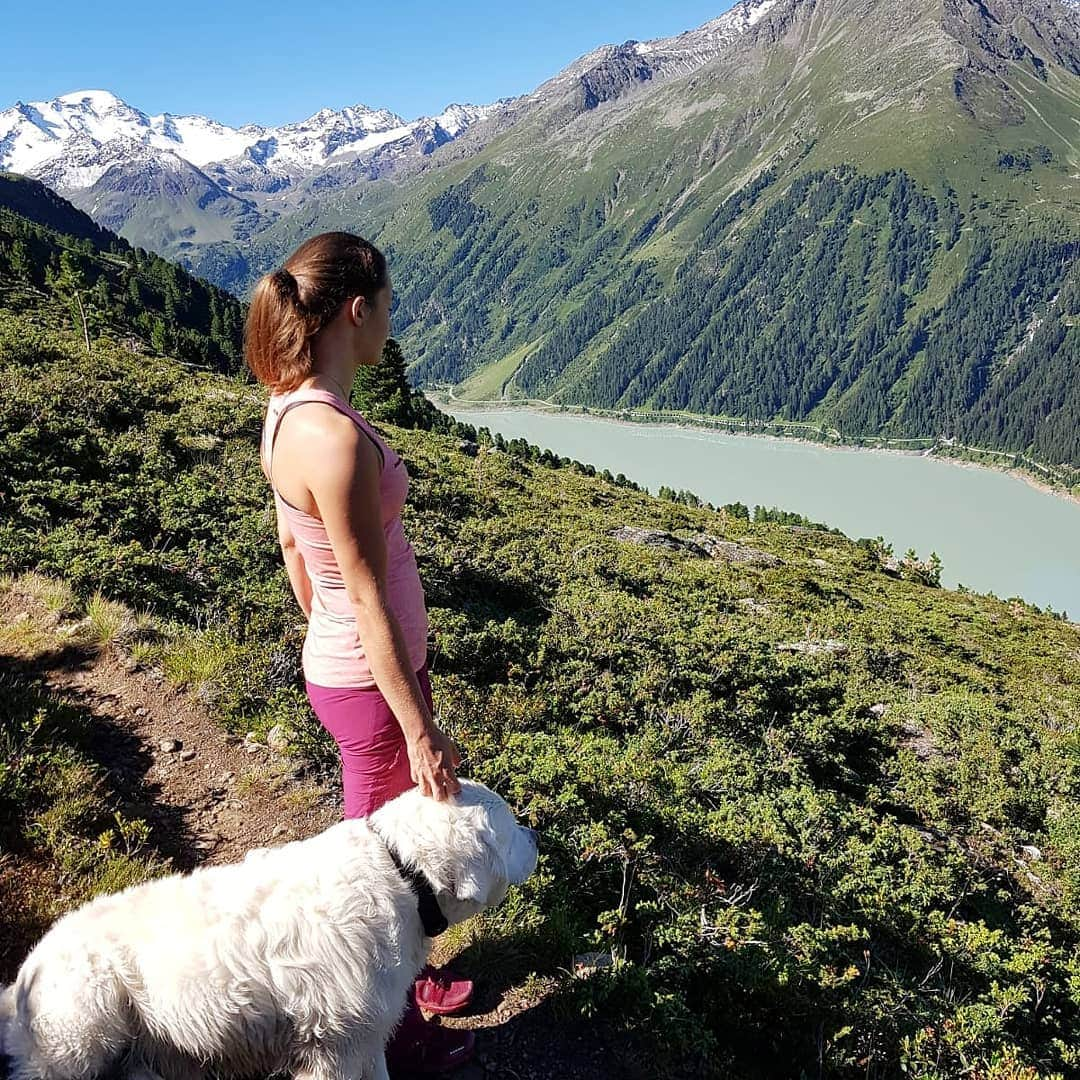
{"type": "Point", "coordinates": [994, 532]}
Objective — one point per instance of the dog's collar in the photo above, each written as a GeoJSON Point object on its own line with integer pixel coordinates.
{"type": "Point", "coordinates": [434, 921]}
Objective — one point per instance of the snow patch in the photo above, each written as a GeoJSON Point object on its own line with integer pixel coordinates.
{"type": "Point", "coordinates": [63, 137]}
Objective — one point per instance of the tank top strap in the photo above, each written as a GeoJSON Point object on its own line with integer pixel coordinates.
{"type": "Point", "coordinates": [303, 397]}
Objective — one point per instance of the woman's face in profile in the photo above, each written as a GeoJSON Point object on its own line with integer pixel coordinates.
{"type": "Point", "coordinates": [376, 326]}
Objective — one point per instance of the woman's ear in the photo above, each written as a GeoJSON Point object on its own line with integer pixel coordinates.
{"type": "Point", "coordinates": [356, 310]}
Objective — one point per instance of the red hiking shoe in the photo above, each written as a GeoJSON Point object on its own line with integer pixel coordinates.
{"type": "Point", "coordinates": [437, 991]}
{"type": "Point", "coordinates": [420, 1047]}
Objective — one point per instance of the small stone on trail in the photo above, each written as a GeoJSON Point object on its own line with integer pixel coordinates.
{"type": "Point", "coordinates": [187, 755]}
{"type": "Point", "coordinates": [1030, 851]}
{"type": "Point", "coordinates": [277, 738]}
{"type": "Point", "coordinates": [235, 804]}
{"type": "Point", "coordinates": [170, 746]}
{"type": "Point", "coordinates": [140, 711]}
{"type": "Point", "coordinates": [279, 830]}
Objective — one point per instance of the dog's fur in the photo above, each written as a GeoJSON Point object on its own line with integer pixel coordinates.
{"type": "Point", "coordinates": [298, 958]}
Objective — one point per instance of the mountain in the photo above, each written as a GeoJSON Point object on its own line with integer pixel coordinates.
{"type": "Point", "coordinates": [65, 271]}
{"type": "Point", "coordinates": [36, 203]}
{"type": "Point", "coordinates": [860, 214]}
{"type": "Point", "coordinates": [171, 182]}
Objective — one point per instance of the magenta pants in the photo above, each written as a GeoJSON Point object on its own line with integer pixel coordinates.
{"type": "Point", "coordinates": [374, 758]}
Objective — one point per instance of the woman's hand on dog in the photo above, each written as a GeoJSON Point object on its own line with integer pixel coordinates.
{"type": "Point", "coordinates": [432, 761]}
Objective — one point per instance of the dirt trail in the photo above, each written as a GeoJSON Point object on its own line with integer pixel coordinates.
{"type": "Point", "coordinates": [210, 797]}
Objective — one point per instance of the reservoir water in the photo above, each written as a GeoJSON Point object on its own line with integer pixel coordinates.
{"type": "Point", "coordinates": [994, 532]}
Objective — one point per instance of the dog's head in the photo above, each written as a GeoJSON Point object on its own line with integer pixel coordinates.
{"type": "Point", "coordinates": [471, 848]}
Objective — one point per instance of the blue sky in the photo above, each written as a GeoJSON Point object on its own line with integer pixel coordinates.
{"type": "Point", "coordinates": [270, 62]}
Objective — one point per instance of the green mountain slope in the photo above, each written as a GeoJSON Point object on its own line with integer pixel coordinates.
{"type": "Point", "coordinates": [57, 263]}
{"type": "Point", "coordinates": [32, 200]}
{"type": "Point", "coordinates": [815, 225]}
{"type": "Point", "coordinates": [824, 816]}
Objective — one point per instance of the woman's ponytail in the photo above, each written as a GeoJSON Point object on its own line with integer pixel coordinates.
{"type": "Point", "coordinates": [292, 304]}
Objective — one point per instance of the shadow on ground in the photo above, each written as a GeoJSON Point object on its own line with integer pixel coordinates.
{"type": "Point", "coordinates": [47, 713]}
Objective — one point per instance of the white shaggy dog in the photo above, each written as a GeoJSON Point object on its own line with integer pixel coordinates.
{"type": "Point", "coordinates": [298, 958]}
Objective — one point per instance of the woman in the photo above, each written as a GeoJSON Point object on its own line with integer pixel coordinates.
{"type": "Point", "coordinates": [339, 490]}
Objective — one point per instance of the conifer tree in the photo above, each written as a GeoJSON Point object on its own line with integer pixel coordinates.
{"type": "Point", "coordinates": [19, 260]}
{"type": "Point", "coordinates": [382, 392]}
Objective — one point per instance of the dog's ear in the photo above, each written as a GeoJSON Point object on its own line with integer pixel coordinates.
{"type": "Point", "coordinates": [474, 881]}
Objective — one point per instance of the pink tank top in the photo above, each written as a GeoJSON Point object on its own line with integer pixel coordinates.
{"type": "Point", "coordinates": [333, 654]}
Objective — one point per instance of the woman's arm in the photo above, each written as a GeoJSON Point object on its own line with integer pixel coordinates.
{"type": "Point", "coordinates": [344, 467]}
{"type": "Point", "coordinates": [294, 564]}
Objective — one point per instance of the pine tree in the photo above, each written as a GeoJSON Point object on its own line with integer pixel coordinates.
{"type": "Point", "coordinates": [70, 283]}
{"type": "Point", "coordinates": [382, 392]}
{"type": "Point", "coordinates": [19, 260]}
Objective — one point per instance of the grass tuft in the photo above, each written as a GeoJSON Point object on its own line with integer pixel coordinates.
{"type": "Point", "coordinates": [109, 625]}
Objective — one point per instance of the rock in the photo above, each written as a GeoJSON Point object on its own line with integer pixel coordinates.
{"type": "Point", "coordinates": [234, 804]}
{"type": "Point", "coordinates": [21, 618]}
{"type": "Point", "coordinates": [756, 607]}
{"type": "Point", "coordinates": [729, 551]}
{"type": "Point", "coordinates": [226, 778]}
{"type": "Point", "coordinates": [657, 538]}
{"type": "Point", "coordinates": [277, 739]}
{"type": "Point", "coordinates": [207, 693]}
{"type": "Point", "coordinates": [918, 739]}
{"type": "Point", "coordinates": [205, 845]}
{"type": "Point", "coordinates": [1031, 852]}
{"type": "Point", "coordinates": [140, 711]}
{"type": "Point", "coordinates": [187, 755]}
{"type": "Point", "coordinates": [279, 830]}
{"type": "Point", "coordinates": [467, 446]}
{"type": "Point", "coordinates": [703, 545]}
{"type": "Point", "coordinates": [252, 748]}
{"type": "Point", "coordinates": [879, 709]}
{"type": "Point", "coordinates": [170, 746]}
{"type": "Point", "coordinates": [829, 646]}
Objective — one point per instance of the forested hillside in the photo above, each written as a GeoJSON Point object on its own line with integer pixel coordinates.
{"type": "Point", "coordinates": [56, 263]}
{"type": "Point", "coordinates": [862, 215]}
{"type": "Point", "coordinates": [832, 306]}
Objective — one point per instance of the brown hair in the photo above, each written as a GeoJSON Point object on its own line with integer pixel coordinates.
{"type": "Point", "coordinates": [291, 305]}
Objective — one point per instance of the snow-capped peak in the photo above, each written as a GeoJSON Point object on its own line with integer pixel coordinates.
{"type": "Point", "coordinates": [716, 32]}
{"type": "Point", "coordinates": [39, 136]}
{"type": "Point", "coordinates": [96, 100]}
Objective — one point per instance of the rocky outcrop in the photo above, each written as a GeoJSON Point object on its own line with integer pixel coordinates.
{"type": "Point", "coordinates": [702, 545]}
